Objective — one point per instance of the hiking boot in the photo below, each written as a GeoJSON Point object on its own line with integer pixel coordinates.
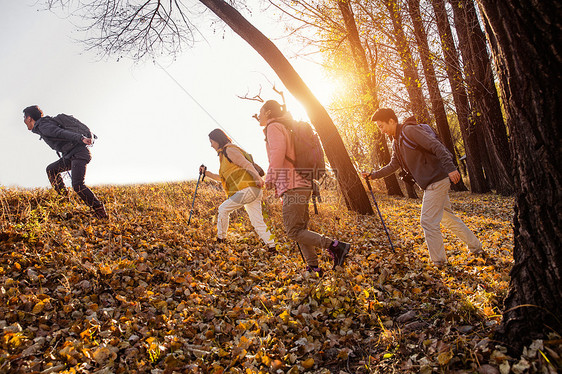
{"type": "Point", "coordinates": [338, 250]}
{"type": "Point", "coordinates": [100, 212]}
{"type": "Point", "coordinates": [478, 253]}
{"type": "Point", "coordinates": [315, 270]}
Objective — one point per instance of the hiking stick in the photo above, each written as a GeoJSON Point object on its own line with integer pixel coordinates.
{"type": "Point", "coordinates": [314, 204]}
{"type": "Point", "coordinates": [195, 192]}
{"type": "Point", "coordinates": [315, 195]}
{"type": "Point", "coordinates": [302, 255]}
{"type": "Point", "coordinates": [378, 210]}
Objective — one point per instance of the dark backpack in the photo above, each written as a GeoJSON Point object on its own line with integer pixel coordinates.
{"type": "Point", "coordinates": [309, 155]}
{"type": "Point", "coordinates": [70, 123]}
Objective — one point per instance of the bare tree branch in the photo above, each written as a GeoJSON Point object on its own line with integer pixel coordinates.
{"type": "Point", "coordinates": [138, 29]}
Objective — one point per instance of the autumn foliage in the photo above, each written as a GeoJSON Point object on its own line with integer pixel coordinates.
{"type": "Point", "coordinates": [144, 292]}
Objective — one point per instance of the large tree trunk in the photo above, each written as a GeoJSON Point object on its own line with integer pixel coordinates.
{"type": "Point", "coordinates": [478, 183]}
{"type": "Point", "coordinates": [411, 77]}
{"type": "Point", "coordinates": [437, 104]}
{"type": "Point", "coordinates": [370, 87]}
{"type": "Point", "coordinates": [529, 64]}
{"type": "Point", "coordinates": [358, 52]}
{"type": "Point", "coordinates": [348, 179]}
{"type": "Point", "coordinates": [483, 95]}
{"type": "Point", "coordinates": [410, 190]}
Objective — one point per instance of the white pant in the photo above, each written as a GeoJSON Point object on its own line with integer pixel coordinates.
{"type": "Point", "coordinates": [436, 209]}
{"type": "Point", "coordinates": [250, 199]}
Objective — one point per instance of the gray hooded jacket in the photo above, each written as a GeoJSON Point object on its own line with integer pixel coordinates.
{"type": "Point", "coordinates": [428, 163]}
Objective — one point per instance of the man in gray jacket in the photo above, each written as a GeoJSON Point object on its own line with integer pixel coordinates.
{"type": "Point", "coordinates": [420, 154]}
{"type": "Point", "coordinates": [74, 156]}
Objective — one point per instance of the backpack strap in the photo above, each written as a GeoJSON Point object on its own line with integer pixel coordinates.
{"type": "Point", "coordinates": [246, 155]}
{"type": "Point", "coordinates": [292, 137]}
{"type": "Point", "coordinates": [286, 125]}
{"type": "Point", "coordinates": [410, 143]}
{"type": "Point", "coordinates": [407, 141]}
{"type": "Point", "coordinates": [222, 151]}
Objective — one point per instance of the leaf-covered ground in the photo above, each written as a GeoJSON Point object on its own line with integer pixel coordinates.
{"type": "Point", "coordinates": [146, 293]}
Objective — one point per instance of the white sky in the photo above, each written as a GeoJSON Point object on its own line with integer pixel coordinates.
{"type": "Point", "coordinates": [149, 129]}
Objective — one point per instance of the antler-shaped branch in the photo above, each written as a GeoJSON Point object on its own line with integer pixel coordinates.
{"type": "Point", "coordinates": [253, 98]}
{"type": "Point", "coordinates": [282, 97]}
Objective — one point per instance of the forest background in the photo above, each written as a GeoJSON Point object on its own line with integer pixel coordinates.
{"type": "Point", "coordinates": [457, 65]}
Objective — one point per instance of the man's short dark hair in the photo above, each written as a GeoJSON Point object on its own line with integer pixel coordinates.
{"type": "Point", "coordinates": [34, 112]}
{"type": "Point", "coordinates": [385, 115]}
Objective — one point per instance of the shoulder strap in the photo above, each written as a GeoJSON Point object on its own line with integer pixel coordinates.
{"type": "Point", "coordinates": [266, 128]}
{"type": "Point", "coordinates": [246, 155]}
{"type": "Point", "coordinates": [409, 142]}
{"type": "Point", "coordinates": [286, 126]}
{"type": "Point", "coordinates": [223, 151]}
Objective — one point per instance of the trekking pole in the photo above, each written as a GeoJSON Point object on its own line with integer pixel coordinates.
{"type": "Point", "coordinates": [378, 210]}
{"type": "Point", "coordinates": [195, 192]}
{"type": "Point", "coordinates": [314, 204]}
{"type": "Point", "coordinates": [315, 195]}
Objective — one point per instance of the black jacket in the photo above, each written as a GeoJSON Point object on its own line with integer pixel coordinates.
{"type": "Point", "coordinates": [61, 140]}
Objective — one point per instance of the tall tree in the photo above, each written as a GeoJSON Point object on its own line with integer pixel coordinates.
{"type": "Point", "coordinates": [411, 76]}
{"type": "Point", "coordinates": [478, 181]}
{"type": "Point", "coordinates": [483, 94]}
{"type": "Point", "coordinates": [123, 25]}
{"type": "Point", "coordinates": [528, 55]}
{"type": "Point", "coordinates": [369, 86]}
{"type": "Point", "coordinates": [437, 103]}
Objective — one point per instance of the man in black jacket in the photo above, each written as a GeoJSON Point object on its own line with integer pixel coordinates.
{"type": "Point", "coordinates": [74, 156]}
{"type": "Point", "coordinates": [421, 155]}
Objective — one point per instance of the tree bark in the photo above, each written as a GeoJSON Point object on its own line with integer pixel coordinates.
{"type": "Point", "coordinates": [369, 86]}
{"type": "Point", "coordinates": [483, 95]}
{"type": "Point", "coordinates": [528, 57]}
{"type": "Point", "coordinates": [348, 179]}
{"type": "Point", "coordinates": [437, 104]}
{"type": "Point", "coordinates": [478, 183]}
{"type": "Point", "coordinates": [358, 52]}
{"type": "Point", "coordinates": [411, 191]}
{"type": "Point", "coordinates": [411, 77]}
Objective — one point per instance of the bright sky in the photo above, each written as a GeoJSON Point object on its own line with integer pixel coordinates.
{"type": "Point", "coordinates": [149, 129]}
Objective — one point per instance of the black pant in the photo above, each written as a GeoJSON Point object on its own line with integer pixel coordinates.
{"type": "Point", "coordinates": [77, 166]}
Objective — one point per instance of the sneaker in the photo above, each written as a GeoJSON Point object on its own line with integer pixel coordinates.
{"type": "Point", "coordinates": [315, 269]}
{"type": "Point", "coordinates": [221, 240]}
{"type": "Point", "coordinates": [272, 249]}
{"type": "Point", "coordinates": [100, 212]}
{"type": "Point", "coordinates": [338, 250]}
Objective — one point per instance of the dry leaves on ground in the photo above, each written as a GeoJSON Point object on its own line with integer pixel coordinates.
{"type": "Point", "coordinates": [145, 292]}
